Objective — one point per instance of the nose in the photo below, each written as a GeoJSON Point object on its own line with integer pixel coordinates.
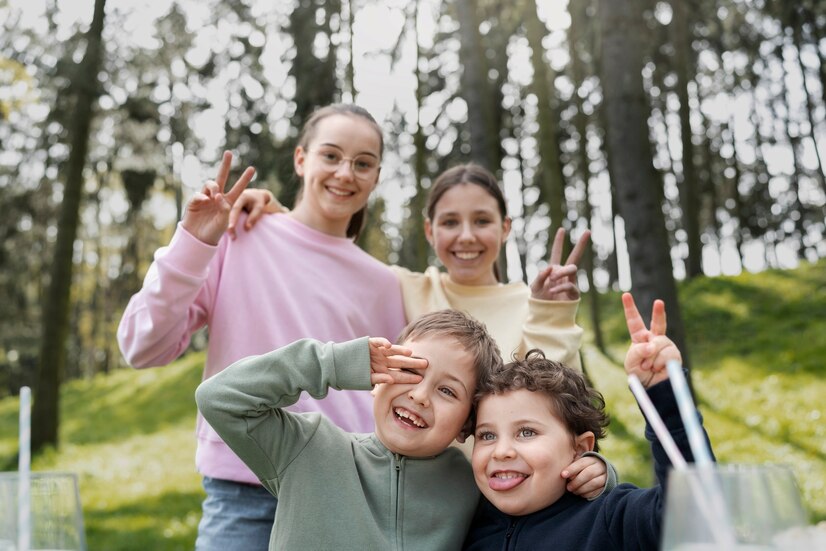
{"type": "Point", "coordinates": [466, 232]}
{"type": "Point", "coordinates": [345, 169]}
{"type": "Point", "coordinates": [504, 449]}
{"type": "Point", "coordinates": [418, 395]}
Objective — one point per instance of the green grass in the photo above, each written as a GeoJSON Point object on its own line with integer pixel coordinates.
{"type": "Point", "coordinates": [129, 436]}
{"type": "Point", "coordinates": [758, 349]}
{"type": "Point", "coordinates": [756, 342]}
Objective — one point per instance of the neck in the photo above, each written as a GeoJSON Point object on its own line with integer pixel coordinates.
{"type": "Point", "coordinates": [335, 228]}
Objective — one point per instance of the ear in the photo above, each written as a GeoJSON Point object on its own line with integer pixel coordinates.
{"type": "Point", "coordinates": [428, 231]}
{"type": "Point", "coordinates": [467, 429]}
{"type": "Point", "coordinates": [584, 443]}
{"type": "Point", "coordinates": [506, 228]}
{"type": "Point", "coordinates": [299, 157]}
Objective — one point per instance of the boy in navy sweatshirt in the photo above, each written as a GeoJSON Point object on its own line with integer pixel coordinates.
{"type": "Point", "coordinates": [533, 417]}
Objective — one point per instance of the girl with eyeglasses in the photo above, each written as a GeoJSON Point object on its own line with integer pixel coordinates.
{"type": "Point", "coordinates": [296, 276]}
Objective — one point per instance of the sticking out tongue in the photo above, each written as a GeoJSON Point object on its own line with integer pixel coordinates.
{"type": "Point", "coordinates": [506, 481]}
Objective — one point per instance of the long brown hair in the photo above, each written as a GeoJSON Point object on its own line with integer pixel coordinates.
{"type": "Point", "coordinates": [308, 132]}
{"type": "Point", "coordinates": [468, 174]}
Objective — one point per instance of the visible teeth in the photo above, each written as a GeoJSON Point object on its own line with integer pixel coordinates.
{"type": "Point", "coordinates": [339, 192]}
{"type": "Point", "coordinates": [415, 419]}
{"type": "Point", "coordinates": [508, 476]}
{"type": "Point", "coordinates": [467, 256]}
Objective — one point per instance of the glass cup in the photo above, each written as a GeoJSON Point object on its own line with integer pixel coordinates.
{"type": "Point", "coordinates": [754, 507]}
{"type": "Point", "coordinates": [55, 512]}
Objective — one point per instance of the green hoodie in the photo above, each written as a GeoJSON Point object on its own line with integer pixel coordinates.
{"type": "Point", "coordinates": [335, 490]}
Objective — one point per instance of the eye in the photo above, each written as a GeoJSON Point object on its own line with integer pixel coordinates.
{"type": "Point", "coordinates": [484, 221]}
{"type": "Point", "coordinates": [449, 222]}
{"type": "Point", "coordinates": [486, 436]}
{"type": "Point", "coordinates": [329, 156]}
{"type": "Point", "coordinates": [364, 164]}
{"type": "Point", "coordinates": [448, 392]}
{"type": "Point", "coordinates": [526, 432]}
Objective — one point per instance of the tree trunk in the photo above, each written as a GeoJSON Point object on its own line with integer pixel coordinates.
{"type": "Point", "coordinates": [690, 188]}
{"type": "Point", "coordinates": [56, 307]}
{"type": "Point", "coordinates": [551, 183]}
{"type": "Point", "coordinates": [581, 123]}
{"type": "Point", "coordinates": [476, 90]}
{"type": "Point", "coordinates": [630, 164]}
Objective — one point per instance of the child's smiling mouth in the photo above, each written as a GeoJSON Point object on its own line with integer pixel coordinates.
{"type": "Point", "coordinates": [502, 481]}
{"type": "Point", "coordinates": [409, 418]}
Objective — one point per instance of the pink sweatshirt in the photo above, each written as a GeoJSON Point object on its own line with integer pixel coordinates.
{"type": "Point", "coordinates": [276, 284]}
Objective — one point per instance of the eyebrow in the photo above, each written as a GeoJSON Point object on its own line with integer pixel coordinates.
{"type": "Point", "coordinates": [455, 213]}
{"type": "Point", "coordinates": [357, 154]}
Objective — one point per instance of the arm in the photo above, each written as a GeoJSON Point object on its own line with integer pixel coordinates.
{"type": "Point", "coordinates": [244, 402]}
{"type": "Point", "coordinates": [551, 323]}
{"type": "Point", "coordinates": [175, 300]}
{"type": "Point", "coordinates": [173, 303]}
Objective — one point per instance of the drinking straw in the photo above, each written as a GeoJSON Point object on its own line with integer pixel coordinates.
{"type": "Point", "coordinates": [23, 468]}
{"type": "Point", "coordinates": [656, 422]}
{"type": "Point", "coordinates": [702, 455]}
{"type": "Point", "coordinates": [720, 523]}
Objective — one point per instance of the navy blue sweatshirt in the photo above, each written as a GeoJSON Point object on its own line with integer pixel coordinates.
{"type": "Point", "coordinates": [625, 518]}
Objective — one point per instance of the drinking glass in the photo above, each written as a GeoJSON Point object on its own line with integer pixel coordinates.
{"type": "Point", "coordinates": [56, 515]}
{"type": "Point", "coordinates": [757, 506]}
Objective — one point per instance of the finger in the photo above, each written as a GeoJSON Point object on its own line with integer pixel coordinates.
{"type": "Point", "coordinates": [240, 184]}
{"type": "Point", "coordinates": [255, 214]}
{"type": "Point", "coordinates": [404, 377]}
{"type": "Point", "coordinates": [577, 466]}
{"type": "Point", "coordinates": [566, 272]}
{"type": "Point", "coordinates": [223, 170]}
{"type": "Point", "coordinates": [633, 319]}
{"type": "Point", "coordinates": [587, 488]}
{"type": "Point", "coordinates": [637, 354]}
{"type": "Point", "coordinates": [564, 287]}
{"type": "Point", "coordinates": [406, 362]}
{"type": "Point", "coordinates": [559, 244]}
{"type": "Point", "coordinates": [539, 282]}
{"type": "Point", "coordinates": [234, 214]}
{"type": "Point", "coordinates": [579, 248]}
{"type": "Point", "coordinates": [658, 318]}
{"type": "Point", "coordinates": [379, 342]}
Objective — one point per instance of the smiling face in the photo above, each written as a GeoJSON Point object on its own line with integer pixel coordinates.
{"type": "Point", "coordinates": [466, 231]}
{"type": "Point", "coordinates": [520, 448]}
{"type": "Point", "coordinates": [332, 192]}
{"type": "Point", "coordinates": [422, 420]}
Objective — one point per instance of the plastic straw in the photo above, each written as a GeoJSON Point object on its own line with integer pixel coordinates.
{"type": "Point", "coordinates": [720, 522]}
{"type": "Point", "coordinates": [696, 439]}
{"type": "Point", "coordinates": [23, 468]}
{"type": "Point", "coordinates": [656, 422]}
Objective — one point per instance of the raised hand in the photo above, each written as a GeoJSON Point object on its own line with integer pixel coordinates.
{"type": "Point", "coordinates": [555, 281]}
{"type": "Point", "coordinates": [257, 202]}
{"type": "Point", "coordinates": [650, 349]}
{"type": "Point", "coordinates": [207, 213]}
{"type": "Point", "coordinates": [390, 363]}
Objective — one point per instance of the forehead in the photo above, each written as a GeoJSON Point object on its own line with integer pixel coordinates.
{"type": "Point", "coordinates": [516, 405]}
{"type": "Point", "coordinates": [445, 356]}
{"type": "Point", "coordinates": [464, 198]}
{"type": "Point", "coordinates": [347, 131]}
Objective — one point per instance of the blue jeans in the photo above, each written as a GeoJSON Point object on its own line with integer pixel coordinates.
{"type": "Point", "coordinates": [235, 517]}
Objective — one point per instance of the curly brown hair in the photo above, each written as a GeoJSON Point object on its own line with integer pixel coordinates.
{"type": "Point", "coordinates": [579, 406]}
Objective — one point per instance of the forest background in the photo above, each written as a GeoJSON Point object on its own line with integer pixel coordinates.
{"type": "Point", "coordinates": [684, 134]}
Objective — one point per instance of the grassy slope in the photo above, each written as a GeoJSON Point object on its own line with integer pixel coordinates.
{"type": "Point", "coordinates": [756, 341]}
{"type": "Point", "coordinates": [758, 349]}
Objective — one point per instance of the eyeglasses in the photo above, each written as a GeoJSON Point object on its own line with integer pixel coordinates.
{"type": "Point", "coordinates": [364, 167]}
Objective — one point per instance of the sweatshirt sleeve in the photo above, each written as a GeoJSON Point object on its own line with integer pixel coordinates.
{"type": "Point", "coordinates": [173, 303]}
{"type": "Point", "coordinates": [244, 402]}
{"type": "Point", "coordinates": [551, 327]}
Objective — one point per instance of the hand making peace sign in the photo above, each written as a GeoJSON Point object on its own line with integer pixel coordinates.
{"type": "Point", "coordinates": [555, 281]}
{"type": "Point", "coordinates": [207, 213]}
{"type": "Point", "coordinates": [650, 349]}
